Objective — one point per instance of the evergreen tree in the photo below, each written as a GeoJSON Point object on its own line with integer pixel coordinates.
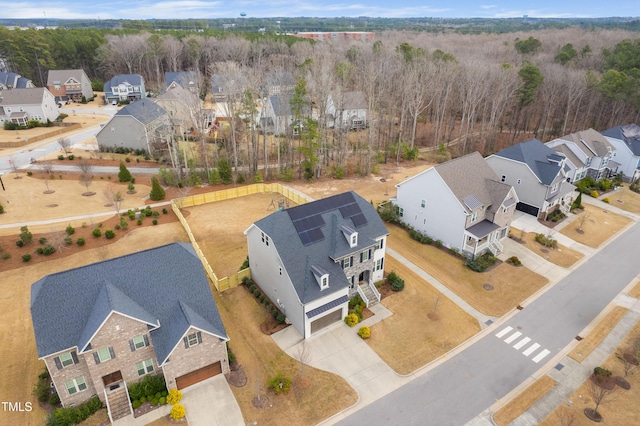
{"type": "Point", "coordinates": [157, 192]}
{"type": "Point", "coordinates": [124, 175]}
{"type": "Point", "coordinates": [224, 171]}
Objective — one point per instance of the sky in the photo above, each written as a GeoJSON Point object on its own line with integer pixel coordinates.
{"type": "Point", "coordinates": [201, 9]}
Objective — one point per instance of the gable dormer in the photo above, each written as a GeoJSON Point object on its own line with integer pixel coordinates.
{"type": "Point", "coordinates": [350, 234]}
{"type": "Point", "coordinates": [321, 276]}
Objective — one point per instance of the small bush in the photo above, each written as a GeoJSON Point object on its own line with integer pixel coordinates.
{"type": "Point", "coordinates": [157, 192]}
{"type": "Point", "coordinates": [96, 232]}
{"type": "Point", "coordinates": [6, 256]}
{"type": "Point", "coordinates": [1, 208]}
{"type": "Point", "coordinates": [154, 221]}
{"type": "Point", "coordinates": [70, 156]}
{"type": "Point", "coordinates": [482, 262]}
{"type": "Point", "coordinates": [117, 227]}
{"type": "Point", "coordinates": [280, 317]}
{"type": "Point", "coordinates": [594, 194]}
{"type": "Point", "coordinates": [174, 396]}
{"type": "Point", "coordinates": [396, 283]}
{"type": "Point", "coordinates": [164, 211]}
{"type": "Point", "coordinates": [143, 399]}
{"type": "Point", "coordinates": [127, 159]}
{"type": "Point", "coordinates": [139, 222]}
{"type": "Point", "coordinates": [80, 241]}
{"type": "Point", "coordinates": [70, 230]}
{"type": "Point", "coordinates": [546, 241]}
{"type": "Point", "coordinates": [42, 240]}
{"type": "Point", "coordinates": [109, 234]}
{"type": "Point", "coordinates": [60, 157]}
{"type": "Point", "coordinates": [54, 399]}
{"type": "Point", "coordinates": [279, 383]}
{"type": "Point", "coordinates": [136, 404]}
{"type": "Point", "coordinates": [601, 372]}
{"type": "Point", "coordinates": [364, 332]}
{"type": "Point", "coordinates": [29, 173]}
{"type": "Point", "coordinates": [68, 241]}
{"type": "Point", "coordinates": [39, 250]}
{"type": "Point", "coordinates": [19, 243]}
{"type": "Point", "coordinates": [154, 401]}
{"type": "Point", "coordinates": [42, 390]}
{"type": "Point", "coordinates": [178, 412]}
{"type": "Point", "coordinates": [26, 257]}
{"type": "Point", "coordinates": [351, 320]}
{"type": "Point", "coordinates": [162, 400]}
{"type": "Point", "coordinates": [48, 250]}
{"type": "Point", "coordinates": [514, 261]}
{"type": "Point", "coordinates": [606, 200]}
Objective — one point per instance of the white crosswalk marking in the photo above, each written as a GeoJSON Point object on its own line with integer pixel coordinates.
{"type": "Point", "coordinates": [513, 337]}
{"type": "Point", "coordinates": [541, 356]}
{"type": "Point", "coordinates": [521, 343]}
{"type": "Point", "coordinates": [503, 332]}
{"type": "Point", "coordinates": [531, 349]}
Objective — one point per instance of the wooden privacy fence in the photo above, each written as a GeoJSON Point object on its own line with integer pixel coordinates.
{"type": "Point", "coordinates": [226, 283]}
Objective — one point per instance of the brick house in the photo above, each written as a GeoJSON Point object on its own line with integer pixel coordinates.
{"type": "Point", "coordinates": [69, 85]}
{"type": "Point", "coordinates": [107, 324]}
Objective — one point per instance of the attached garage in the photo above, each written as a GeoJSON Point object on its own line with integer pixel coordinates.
{"type": "Point", "coordinates": [528, 208]}
{"type": "Point", "coordinates": [327, 320]}
{"type": "Point", "coordinates": [198, 375]}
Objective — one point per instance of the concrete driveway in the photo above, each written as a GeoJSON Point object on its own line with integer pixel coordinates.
{"type": "Point", "coordinates": [211, 403]}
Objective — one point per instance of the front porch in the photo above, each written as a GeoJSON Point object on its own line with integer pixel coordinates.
{"type": "Point", "coordinates": [482, 237]}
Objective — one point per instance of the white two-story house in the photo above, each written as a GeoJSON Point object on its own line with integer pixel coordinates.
{"type": "Point", "coordinates": [626, 140]}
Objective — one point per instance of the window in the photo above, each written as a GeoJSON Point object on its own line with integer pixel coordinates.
{"type": "Point", "coordinates": [474, 216]}
{"type": "Point", "coordinates": [400, 211]}
{"type": "Point", "coordinates": [424, 221]}
{"type": "Point", "coordinates": [76, 385]}
{"type": "Point", "coordinates": [138, 342]}
{"type": "Point", "coordinates": [280, 270]}
{"type": "Point", "coordinates": [144, 367]}
{"type": "Point", "coordinates": [379, 264]}
{"type": "Point", "coordinates": [66, 359]}
{"type": "Point", "coordinates": [325, 281]}
{"type": "Point", "coordinates": [354, 239]}
{"type": "Point", "coordinates": [423, 203]}
{"type": "Point", "coordinates": [379, 244]}
{"type": "Point", "coordinates": [265, 238]}
{"type": "Point", "coordinates": [104, 354]}
{"type": "Point", "coordinates": [365, 255]}
{"type": "Point", "coordinates": [503, 178]}
{"type": "Point", "coordinates": [192, 339]}
{"type": "Point", "coordinates": [347, 262]}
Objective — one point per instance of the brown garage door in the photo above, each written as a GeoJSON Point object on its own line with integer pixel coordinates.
{"type": "Point", "coordinates": [326, 320]}
{"type": "Point", "coordinates": [198, 375]}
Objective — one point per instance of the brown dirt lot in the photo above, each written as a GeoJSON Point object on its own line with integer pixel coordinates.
{"type": "Point", "coordinates": [599, 225]}
{"type": "Point", "coordinates": [621, 408]}
{"type": "Point", "coordinates": [409, 338]}
{"type": "Point", "coordinates": [511, 284]}
{"type": "Point", "coordinates": [18, 351]}
{"type": "Point", "coordinates": [561, 255]}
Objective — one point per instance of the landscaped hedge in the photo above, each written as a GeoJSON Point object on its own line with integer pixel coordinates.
{"type": "Point", "coordinates": [482, 262]}
{"type": "Point", "coordinates": [148, 388]}
{"type": "Point", "coordinates": [262, 298]}
{"type": "Point", "coordinates": [69, 416]}
{"type": "Point", "coordinates": [396, 283]}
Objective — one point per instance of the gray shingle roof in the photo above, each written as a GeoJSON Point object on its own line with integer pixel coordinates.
{"type": "Point", "coordinates": [590, 142]}
{"type": "Point", "coordinates": [299, 258]}
{"type": "Point", "coordinates": [143, 110]}
{"type": "Point", "coordinates": [132, 79]}
{"type": "Point", "coordinates": [32, 96]}
{"type": "Point", "coordinates": [352, 100]}
{"type": "Point", "coordinates": [61, 76]}
{"type": "Point", "coordinates": [473, 182]}
{"type": "Point", "coordinates": [567, 152]}
{"type": "Point", "coordinates": [181, 78]}
{"type": "Point", "coordinates": [164, 285]}
{"type": "Point", "coordinates": [537, 156]}
{"type": "Point", "coordinates": [629, 134]}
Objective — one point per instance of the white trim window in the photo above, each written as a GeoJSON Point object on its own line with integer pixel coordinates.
{"type": "Point", "coordinates": [192, 339]}
{"type": "Point", "coordinates": [474, 216]}
{"type": "Point", "coordinates": [144, 367]}
{"type": "Point", "coordinates": [76, 385]}
{"type": "Point", "coordinates": [139, 342]}
{"type": "Point", "coordinates": [66, 359]}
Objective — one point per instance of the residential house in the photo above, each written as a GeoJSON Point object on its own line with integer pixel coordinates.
{"type": "Point", "coordinates": [538, 174]}
{"type": "Point", "coordinates": [276, 115]}
{"type": "Point", "coordinates": [588, 153]}
{"type": "Point", "coordinates": [102, 326]}
{"type": "Point", "coordinates": [11, 80]}
{"type": "Point", "coordinates": [461, 202]}
{"type": "Point", "coordinates": [69, 85]}
{"type": "Point", "coordinates": [347, 111]}
{"type": "Point", "coordinates": [311, 259]}
{"type": "Point", "coordinates": [626, 140]}
{"type": "Point", "coordinates": [20, 106]}
{"type": "Point", "coordinates": [186, 79]}
{"type": "Point", "coordinates": [142, 125]}
{"type": "Point", "coordinates": [279, 83]}
{"type": "Point", "coordinates": [124, 87]}
{"type": "Point", "coordinates": [185, 109]}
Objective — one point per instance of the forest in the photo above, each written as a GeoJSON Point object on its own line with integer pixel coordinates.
{"type": "Point", "coordinates": [451, 92]}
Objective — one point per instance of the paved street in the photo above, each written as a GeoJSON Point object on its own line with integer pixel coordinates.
{"type": "Point", "coordinates": [470, 382]}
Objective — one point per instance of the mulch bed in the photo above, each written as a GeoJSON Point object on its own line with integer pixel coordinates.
{"type": "Point", "coordinates": [271, 325]}
{"type": "Point", "coordinates": [622, 382]}
{"type": "Point", "coordinates": [593, 415]}
{"type": "Point", "coordinates": [607, 383]}
{"type": "Point", "coordinates": [144, 409]}
{"type": "Point", "coordinates": [236, 377]}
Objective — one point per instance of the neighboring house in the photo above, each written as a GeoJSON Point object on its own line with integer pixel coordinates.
{"type": "Point", "coordinates": [11, 80]}
{"type": "Point", "coordinates": [185, 109]}
{"type": "Point", "coordinates": [311, 259]}
{"type": "Point", "coordinates": [347, 111]}
{"type": "Point", "coordinates": [280, 83]}
{"type": "Point", "coordinates": [538, 174]}
{"type": "Point", "coordinates": [20, 106]}
{"type": "Point", "coordinates": [140, 125]}
{"type": "Point", "coordinates": [589, 154]}
{"type": "Point", "coordinates": [186, 79]}
{"type": "Point", "coordinates": [102, 326]}
{"type": "Point", "coordinates": [69, 85]}
{"type": "Point", "coordinates": [124, 87]}
{"type": "Point", "coordinates": [626, 140]}
{"type": "Point", "coordinates": [276, 115]}
{"type": "Point", "coordinates": [461, 202]}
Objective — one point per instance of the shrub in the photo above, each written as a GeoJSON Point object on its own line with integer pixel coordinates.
{"type": "Point", "coordinates": [74, 415]}
{"type": "Point", "coordinates": [577, 203]}
{"type": "Point", "coordinates": [351, 320]}
{"type": "Point", "coordinates": [606, 200]}
{"type": "Point", "coordinates": [130, 187]}
{"type": "Point", "coordinates": [154, 221]}
{"type": "Point", "coordinates": [174, 396]}
{"type": "Point", "coordinates": [39, 250]}
{"type": "Point", "coordinates": [154, 401]}
{"type": "Point", "coordinates": [139, 221]}
{"type": "Point", "coordinates": [70, 157]}
{"type": "Point", "coordinates": [594, 194]}
{"type": "Point", "coordinates": [178, 412]}
{"type": "Point", "coordinates": [514, 261]}
{"type": "Point", "coordinates": [601, 372]}
{"type": "Point", "coordinates": [364, 332]}
{"type": "Point", "coordinates": [127, 159]}
{"type": "Point", "coordinates": [164, 211]}
{"type": "Point", "coordinates": [155, 213]}
{"type": "Point", "coordinates": [157, 193]}
{"type": "Point", "coordinates": [96, 232]}
{"type": "Point", "coordinates": [54, 399]}
{"type": "Point", "coordinates": [1, 208]}
{"type": "Point", "coordinates": [117, 227]}
{"type": "Point", "coordinates": [70, 230]}
{"type": "Point", "coordinates": [279, 382]}
{"type": "Point", "coordinates": [482, 262]}
{"type": "Point", "coordinates": [546, 241]}
{"type": "Point", "coordinates": [48, 250]}
{"type": "Point", "coordinates": [26, 257]}
{"type": "Point", "coordinates": [68, 241]}
{"type": "Point", "coordinates": [143, 399]}
{"type": "Point", "coordinates": [124, 175]}
{"type": "Point", "coordinates": [60, 157]}
{"type": "Point", "coordinates": [136, 404]}
{"type": "Point", "coordinates": [29, 173]}
{"type": "Point", "coordinates": [109, 234]}
{"type": "Point", "coordinates": [42, 240]}
{"type": "Point", "coordinates": [396, 283]}
{"type": "Point", "coordinates": [42, 390]}
{"type": "Point", "coordinates": [19, 243]}
{"type": "Point", "coordinates": [80, 241]}
{"type": "Point", "coordinates": [280, 317]}
{"type": "Point", "coordinates": [5, 256]}
{"type": "Point", "coordinates": [162, 400]}
{"type": "Point", "coordinates": [25, 235]}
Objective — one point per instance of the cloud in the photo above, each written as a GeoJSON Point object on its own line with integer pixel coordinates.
{"type": "Point", "coordinates": [488, 6]}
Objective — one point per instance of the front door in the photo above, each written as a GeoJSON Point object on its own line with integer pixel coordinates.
{"type": "Point", "coordinates": [112, 378]}
{"type": "Point", "coordinates": [364, 276]}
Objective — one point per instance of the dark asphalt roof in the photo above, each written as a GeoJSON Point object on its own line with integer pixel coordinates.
{"type": "Point", "coordinates": [629, 134]}
{"type": "Point", "coordinates": [143, 110]}
{"type": "Point", "coordinates": [537, 156]}
{"type": "Point", "coordinates": [163, 286]}
{"type": "Point", "coordinates": [299, 258]}
{"type": "Point", "coordinates": [132, 79]}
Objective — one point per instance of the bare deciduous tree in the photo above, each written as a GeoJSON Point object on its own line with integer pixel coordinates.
{"type": "Point", "coordinates": [113, 197]}
{"type": "Point", "coordinates": [85, 168]}
{"type": "Point", "coordinates": [565, 416]}
{"type": "Point", "coordinates": [583, 219]}
{"type": "Point", "coordinates": [303, 355]}
{"type": "Point", "coordinates": [65, 144]}
{"type": "Point", "coordinates": [599, 395]}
